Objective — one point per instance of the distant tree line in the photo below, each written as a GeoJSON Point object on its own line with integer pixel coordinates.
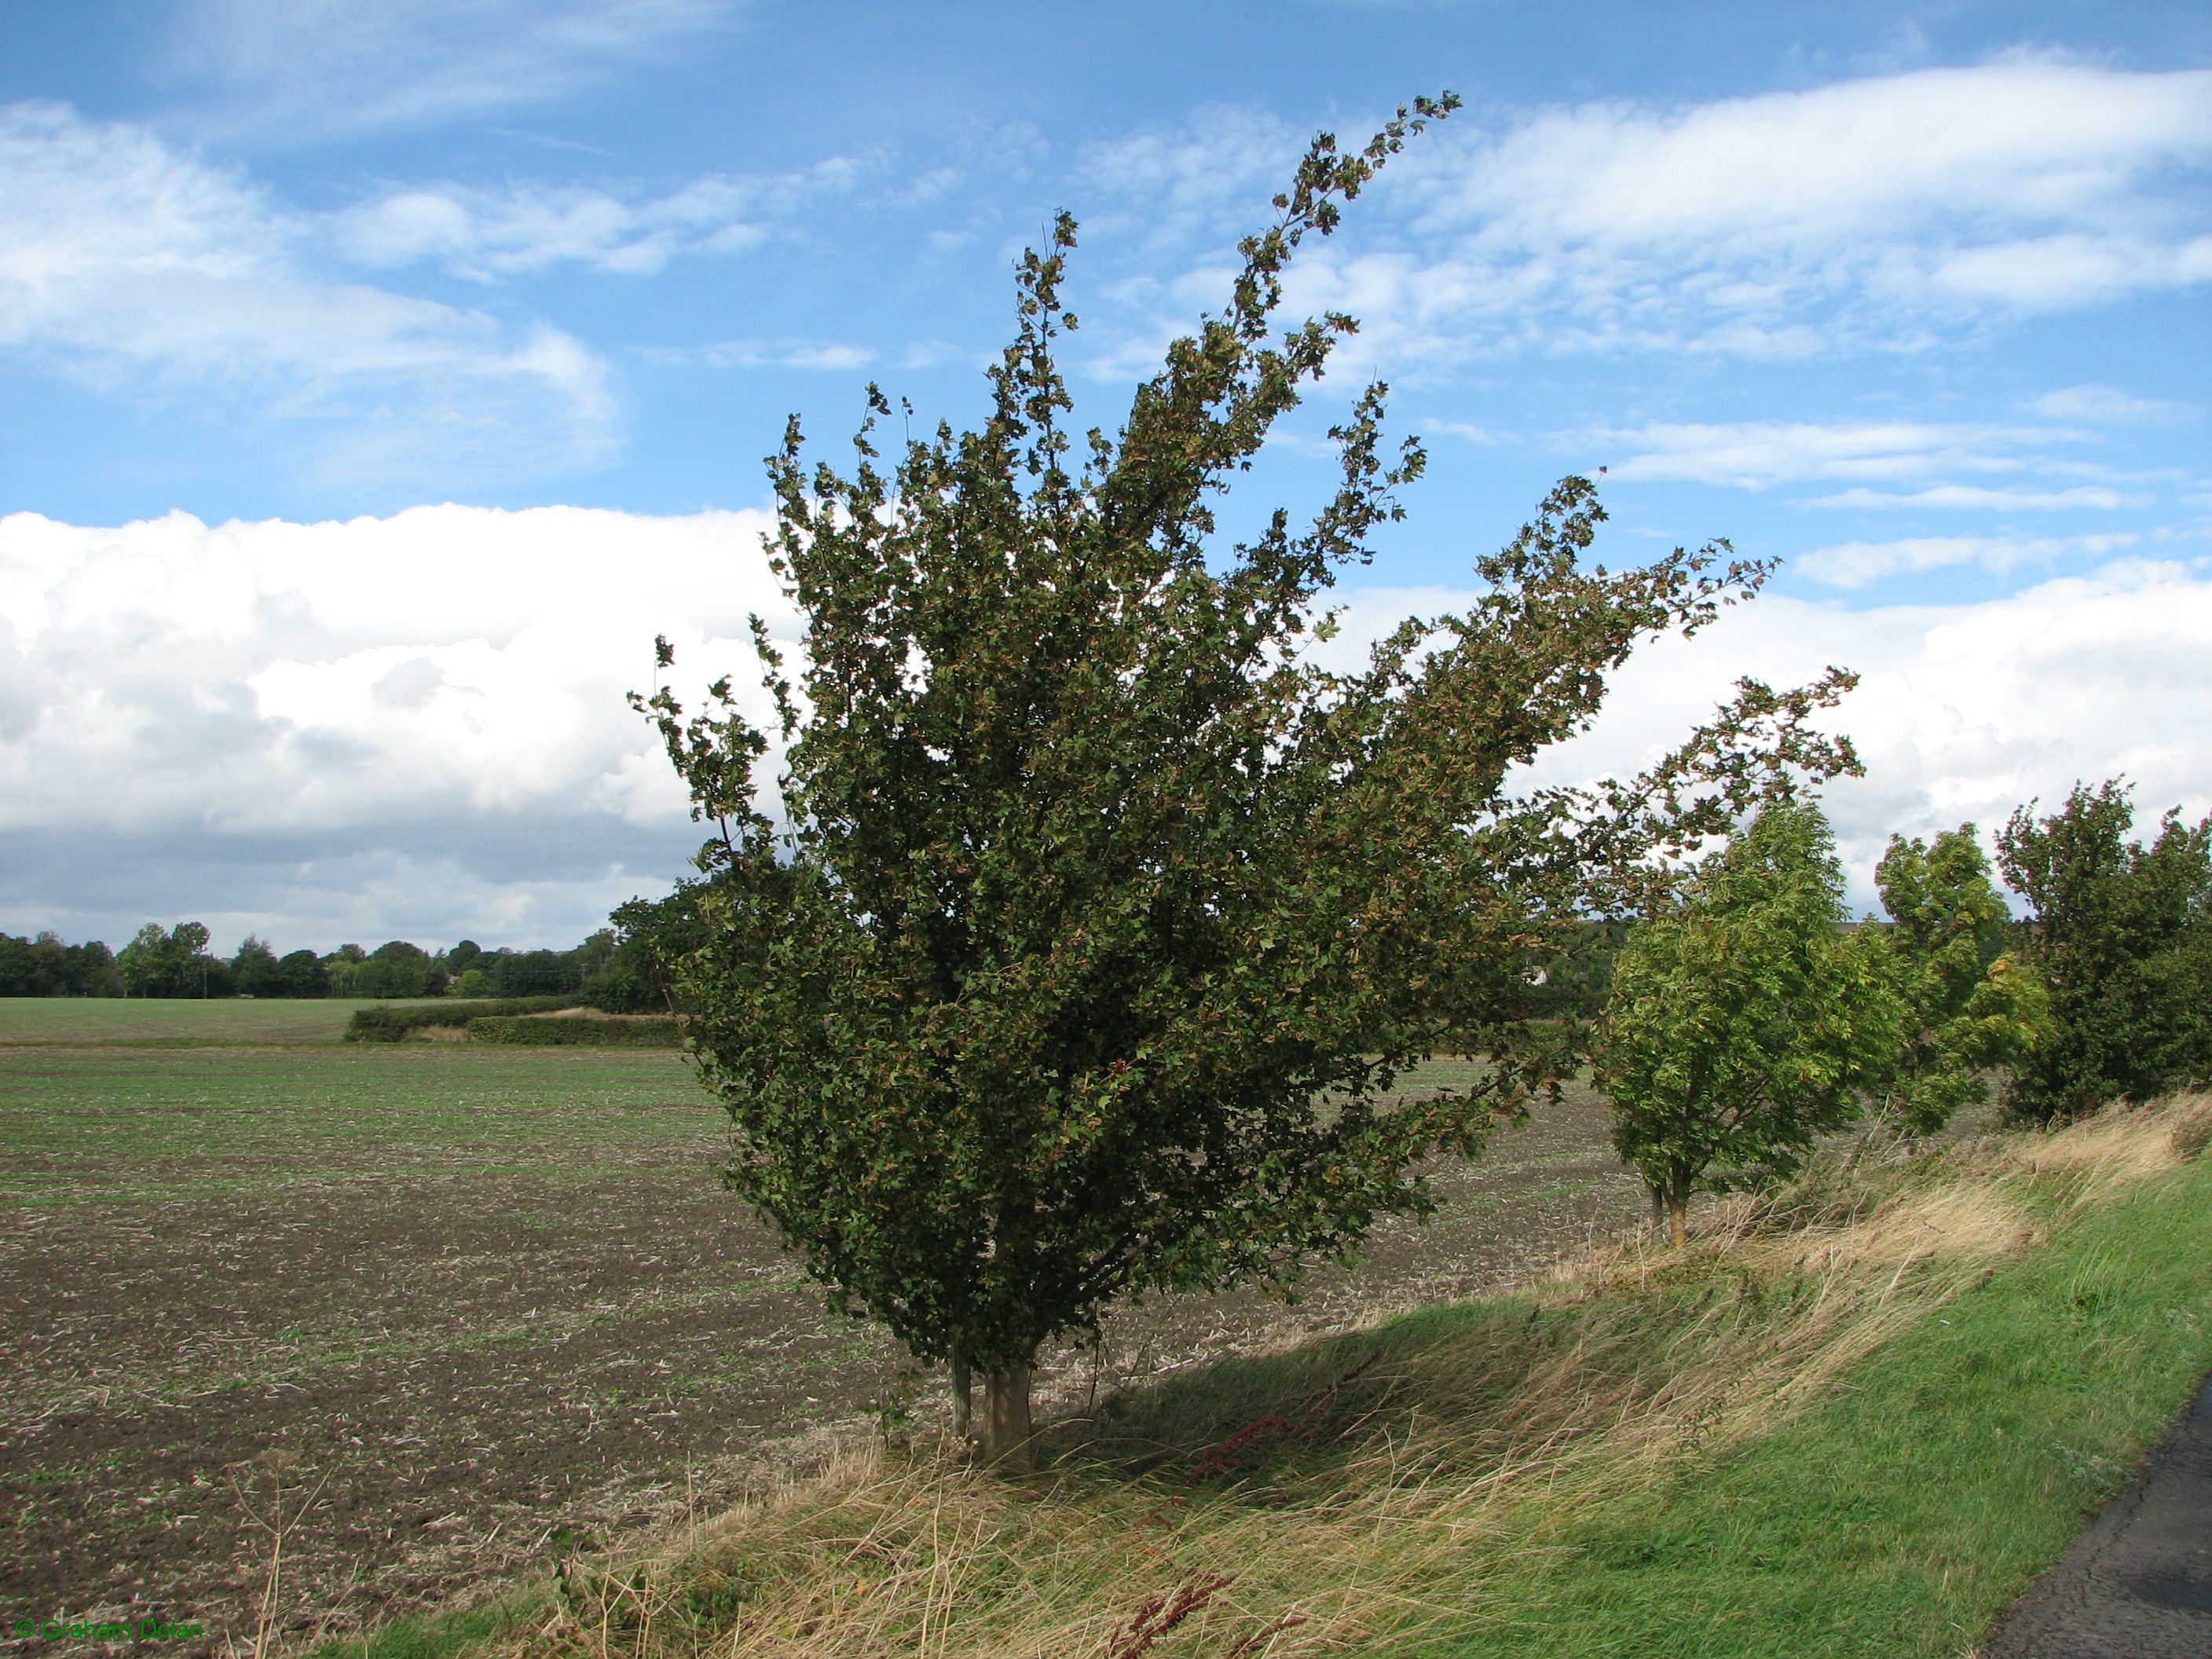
{"type": "Point", "coordinates": [617, 969]}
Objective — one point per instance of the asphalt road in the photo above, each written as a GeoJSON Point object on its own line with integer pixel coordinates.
{"type": "Point", "coordinates": [2138, 1583]}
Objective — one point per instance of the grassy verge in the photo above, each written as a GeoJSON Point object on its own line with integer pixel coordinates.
{"type": "Point", "coordinates": [1856, 1421]}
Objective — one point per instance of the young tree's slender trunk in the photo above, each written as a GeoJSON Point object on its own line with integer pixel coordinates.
{"type": "Point", "coordinates": [1658, 1205]}
{"type": "Point", "coordinates": [963, 1395]}
{"type": "Point", "coordinates": [1678, 1214]}
{"type": "Point", "coordinates": [1007, 1432]}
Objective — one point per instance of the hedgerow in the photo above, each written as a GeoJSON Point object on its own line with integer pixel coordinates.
{"type": "Point", "coordinates": [394, 1025]}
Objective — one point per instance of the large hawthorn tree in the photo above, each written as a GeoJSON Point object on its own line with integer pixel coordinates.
{"type": "Point", "coordinates": [1091, 922]}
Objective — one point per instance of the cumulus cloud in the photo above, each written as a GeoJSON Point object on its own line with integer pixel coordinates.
{"type": "Point", "coordinates": [124, 260]}
{"type": "Point", "coordinates": [1963, 712]}
{"type": "Point", "coordinates": [443, 690]}
{"type": "Point", "coordinates": [415, 726]}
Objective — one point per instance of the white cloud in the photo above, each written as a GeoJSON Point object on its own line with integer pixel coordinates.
{"type": "Point", "coordinates": [415, 725]}
{"type": "Point", "coordinates": [1963, 712]}
{"type": "Point", "coordinates": [1778, 226]}
{"type": "Point", "coordinates": [1974, 498]}
{"type": "Point", "coordinates": [2007, 142]}
{"type": "Point", "coordinates": [2098, 403]}
{"type": "Point", "coordinates": [422, 684]}
{"type": "Point", "coordinates": [2071, 269]}
{"type": "Point", "coordinates": [482, 233]}
{"type": "Point", "coordinates": [776, 354]}
{"type": "Point", "coordinates": [1855, 564]}
{"type": "Point", "coordinates": [1209, 177]}
{"type": "Point", "coordinates": [129, 261]}
{"type": "Point", "coordinates": [1472, 433]}
{"type": "Point", "coordinates": [311, 68]}
{"type": "Point", "coordinates": [1755, 454]}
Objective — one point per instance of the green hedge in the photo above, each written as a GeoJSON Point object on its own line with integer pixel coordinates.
{"type": "Point", "coordinates": [393, 1025]}
{"type": "Point", "coordinates": [579, 1030]}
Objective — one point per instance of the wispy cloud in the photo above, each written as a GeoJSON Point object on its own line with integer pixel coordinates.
{"type": "Point", "coordinates": [129, 262]}
{"type": "Point", "coordinates": [1857, 564]}
{"type": "Point", "coordinates": [1756, 455]}
{"type": "Point", "coordinates": [1974, 497]}
{"type": "Point", "coordinates": [2099, 403]}
{"type": "Point", "coordinates": [805, 354]}
{"type": "Point", "coordinates": [311, 68]}
{"type": "Point", "coordinates": [1463, 430]}
{"type": "Point", "coordinates": [527, 227]}
{"type": "Point", "coordinates": [1206, 177]}
{"type": "Point", "coordinates": [1875, 212]}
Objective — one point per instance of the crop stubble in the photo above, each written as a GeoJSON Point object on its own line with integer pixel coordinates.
{"type": "Point", "coordinates": [494, 1301]}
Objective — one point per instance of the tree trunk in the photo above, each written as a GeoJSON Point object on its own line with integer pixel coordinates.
{"type": "Point", "coordinates": [1658, 1205]}
{"type": "Point", "coordinates": [1678, 1216]}
{"type": "Point", "coordinates": [1007, 1432]}
{"type": "Point", "coordinates": [963, 1395]}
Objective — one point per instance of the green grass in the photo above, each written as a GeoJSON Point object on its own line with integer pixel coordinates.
{"type": "Point", "coordinates": [1913, 1507]}
{"type": "Point", "coordinates": [442, 1635]}
{"type": "Point", "coordinates": [110, 1124]}
{"type": "Point", "coordinates": [184, 1023]}
{"type": "Point", "coordinates": [1855, 1428]}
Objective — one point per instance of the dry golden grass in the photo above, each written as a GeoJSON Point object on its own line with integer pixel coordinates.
{"type": "Point", "coordinates": [1377, 1500]}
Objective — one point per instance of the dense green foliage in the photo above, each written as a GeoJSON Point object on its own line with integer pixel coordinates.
{"type": "Point", "coordinates": [577, 1031]}
{"type": "Point", "coordinates": [2122, 935]}
{"type": "Point", "coordinates": [617, 968]}
{"type": "Point", "coordinates": [1973, 1007]}
{"type": "Point", "coordinates": [171, 961]}
{"type": "Point", "coordinates": [45, 967]}
{"type": "Point", "coordinates": [650, 936]}
{"type": "Point", "coordinates": [1096, 886]}
{"type": "Point", "coordinates": [1743, 1022]}
{"type": "Point", "coordinates": [394, 1025]}
{"type": "Point", "coordinates": [1574, 981]}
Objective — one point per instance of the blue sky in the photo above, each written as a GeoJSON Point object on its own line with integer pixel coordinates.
{"type": "Point", "coordinates": [380, 378]}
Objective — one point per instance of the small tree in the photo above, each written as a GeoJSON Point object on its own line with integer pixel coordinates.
{"type": "Point", "coordinates": [1100, 920]}
{"type": "Point", "coordinates": [1971, 1005]}
{"type": "Point", "coordinates": [173, 962]}
{"type": "Point", "coordinates": [1744, 1020]}
{"type": "Point", "coordinates": [2122, 934]}
{"type": "Point", "coordinates": [301, 974]}
{"type": "Point", "coordinates": [254, 971]}
{"type": "Point", "coordinates": [650, 936]}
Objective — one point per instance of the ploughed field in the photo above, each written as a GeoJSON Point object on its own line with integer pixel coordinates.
{"type": "Point", "coordinates": [473, 1306]}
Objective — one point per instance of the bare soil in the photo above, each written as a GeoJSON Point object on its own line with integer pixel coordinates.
{"type": "Point", "coordinates": [448, 1365]}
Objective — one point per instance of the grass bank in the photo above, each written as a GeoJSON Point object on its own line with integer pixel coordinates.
{"type": "Point", "coordinates": [1855, 1420]}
